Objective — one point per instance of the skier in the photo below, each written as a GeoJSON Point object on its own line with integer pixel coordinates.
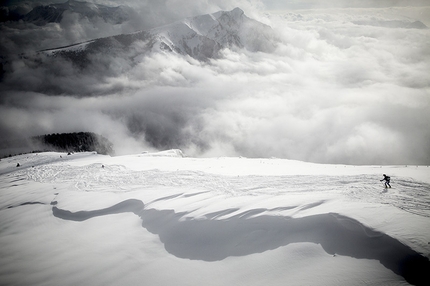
{"type": "Point", "coordinates": [387, 181]}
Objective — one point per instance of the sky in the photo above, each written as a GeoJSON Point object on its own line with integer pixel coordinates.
{"type": "Point", "coordinates": [347, 83]}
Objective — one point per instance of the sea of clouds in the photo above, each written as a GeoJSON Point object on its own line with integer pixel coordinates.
{"type": "Point", "coordinates": [343, 85]}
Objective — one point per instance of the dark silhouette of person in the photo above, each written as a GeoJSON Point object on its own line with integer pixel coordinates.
{"type": "Point", "coordinates": [387, 181]}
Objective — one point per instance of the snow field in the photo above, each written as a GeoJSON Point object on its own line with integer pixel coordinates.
{"type": "Point", "coordinates": [244, 207]}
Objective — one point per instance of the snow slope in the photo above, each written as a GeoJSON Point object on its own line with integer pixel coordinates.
{"type": "Point", "coordinates": [203, 36]}
{"type": "Point", "coordinates": [165, 219]}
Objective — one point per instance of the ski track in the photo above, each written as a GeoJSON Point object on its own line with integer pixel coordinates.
{"type": "Point", "coordinates": [408, 195]}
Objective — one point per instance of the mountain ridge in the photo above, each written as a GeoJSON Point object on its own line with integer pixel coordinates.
{"type": "Point", "coordinates": [53, 13]}
{"type": "Point", "coordinates": [201, 37]}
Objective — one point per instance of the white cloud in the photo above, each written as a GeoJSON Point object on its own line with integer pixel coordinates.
{"type": "Point", "coordinates": [332, 91]}
{"type": "Point", "coordinates": [324, 4]}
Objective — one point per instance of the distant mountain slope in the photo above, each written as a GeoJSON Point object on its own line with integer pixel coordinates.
{"type": "Point", "coordinates": [53, 13]}
{"type": "Point", "coordinates": [393, 24]}
{"type": "Point", "coordinates": [200, 37]}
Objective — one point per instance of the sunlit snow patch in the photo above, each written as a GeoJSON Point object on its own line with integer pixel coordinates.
{"type": "Point", "coordinates": [166, 153]}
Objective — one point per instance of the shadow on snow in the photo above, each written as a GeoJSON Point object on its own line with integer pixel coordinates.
{"type": "Point", "coordinates": [213, 239]}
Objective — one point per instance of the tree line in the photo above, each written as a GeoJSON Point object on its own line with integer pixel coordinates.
{"type": "Point", "coordinates": [76, 142]}
{"type": "Point", "coordinates": [59, 142]}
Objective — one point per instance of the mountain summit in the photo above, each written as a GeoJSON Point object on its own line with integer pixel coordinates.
{"type": "Point", "coordinates": [201, 37]}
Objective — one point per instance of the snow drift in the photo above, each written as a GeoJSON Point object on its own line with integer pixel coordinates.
{"type": "Point", "coordinates": [167, 220]}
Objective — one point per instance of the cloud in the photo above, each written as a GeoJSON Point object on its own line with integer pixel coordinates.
{"type": "Point", "coordinates": [318, 4]}
{"type": "Point", "coordinates": [332, 91]}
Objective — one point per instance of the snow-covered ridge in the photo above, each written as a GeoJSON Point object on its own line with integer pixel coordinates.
{"type": "Point", "coordinates": [167, 153]}
{"type": "Point", "coordinates": [70, 48]}
{"type": "Point", "coordinates": [204, 35]}
{"type": "Point", "coordinates": [201, 37]}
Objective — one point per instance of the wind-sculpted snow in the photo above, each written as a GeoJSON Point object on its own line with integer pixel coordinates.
{"type": "Point", "coordinates": [134, 206]}
{"type": "Point", "coordinates": [408, 195]}
{"type": "Point", "coordinates": [247, 233]}
{"type": "Point", "coordinates": [123, 220]}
